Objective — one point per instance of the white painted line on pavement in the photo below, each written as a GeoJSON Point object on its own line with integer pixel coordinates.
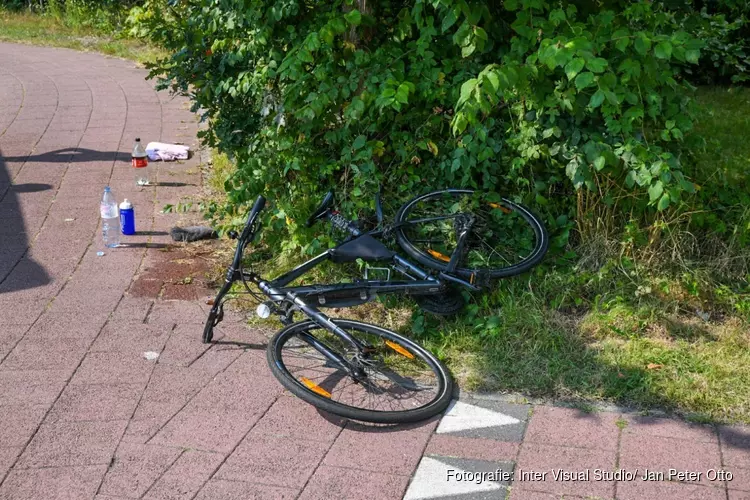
{"type": "Point", "coordinates": [431, 481]}
{"type": "Point", "coordinates": [463, 416]}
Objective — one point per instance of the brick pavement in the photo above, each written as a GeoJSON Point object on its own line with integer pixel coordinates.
{"type": "Point", "coordinates": [86, 415]}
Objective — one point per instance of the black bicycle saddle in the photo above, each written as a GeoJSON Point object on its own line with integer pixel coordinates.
{"type": "Point", "coordinates": [322, 209]}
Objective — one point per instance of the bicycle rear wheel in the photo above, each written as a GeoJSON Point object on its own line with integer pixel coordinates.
{"type": "Point", "coordinates": [506, 238]}
{"type": "Point", "coordinates": [403, 382]}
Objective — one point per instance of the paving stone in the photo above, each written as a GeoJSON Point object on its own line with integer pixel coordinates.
{"type": "Point", "coordinates": [60, 483]}
{"type": "Point", "coordinates": [735, 445]}
{"type": "Point", "coordinates": [570, 427]}
{"type": "Point", "coordinates": [485, 419]}
{"type": "Point", "coordinates": [9, 337]}
{"type": "Point", "coordinates": [665, 490]}
{"type": "Point", "coordinates": [740, 479]}
{"type": "Point", "coordinates": [662, 454]}
{"type": "Point", "coordinates": [63, 444]}
{"type": "Point", "coordinates": [670, 428]}
{"type": "Point", "coordinates": [19, 423]}
{"type": "Point", "coordinates": [140, 430]}
{"type": "Point", "coordinates": [113, 368]}
{"type": "Point", "coordinates": [132, 336]}
{"type": "Point", "coordinates": [186, 477]}
{"type": "Point", "coordinates": [51, 354]}
{"type": "Point", "coordinates": [177, 311]}
{"type": "Point", "coordinates": [31, 387]}
{"type": "Point", "coordinates": [738, 495]}
{"type": "Point", "coordinates": [250, 388]}
{"type": "Point", "coordinates": [539, 458]}
{"type": "Point", "coordinates": [523, 493]}
{"type": "Point", "coordinates": [456, 479]}
{"type": "Point", "coordinates": [463, 447]}
{"type": "Point", "coordinates": [391, 450]}
{"type": "Point", "coordinates": [351, 484]}
{"type": "Point", "coordinates": [132, 309]}
{"type": "Point", "coordinates": [96, 402]}
{"type": "Point", "coordinates": [274, 461]}
{"type": "Point", "coordinates": [292, 418]}
{"type": "Point", "coordinates": [184, 346]}
{"type": "Point", "coordinates": [52, 326]}
{"type": "Point", "coordinates": [135, 468]}
{"type": "Point", "coordinates": [7, 458]}
{"type": "Point", "coordinates": [206, 429]}
{"type": "Point", "coordinates": [231, 490]}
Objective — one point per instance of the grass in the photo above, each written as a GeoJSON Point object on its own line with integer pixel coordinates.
{"type": "Point", "coordinates": [673, 338]}
{"type": "Point", "coordinates": [48, 30]}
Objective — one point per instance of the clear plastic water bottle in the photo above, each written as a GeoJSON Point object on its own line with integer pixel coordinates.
{"type": "Point", "coordinates": [139, 159]}
{"type": "Point", "coordinates": [110, 219]}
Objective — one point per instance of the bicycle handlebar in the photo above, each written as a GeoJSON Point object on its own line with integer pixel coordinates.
{"type": "Point", "coordinates": [260, 203]}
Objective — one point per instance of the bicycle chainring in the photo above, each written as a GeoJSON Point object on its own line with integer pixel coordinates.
{"type": "Point", "coordinates": [447, 303]}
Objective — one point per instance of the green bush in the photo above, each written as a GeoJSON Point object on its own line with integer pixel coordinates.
{"type": "Point", "coordinates": [724, 26]}
{"type": "Point", "coordinates": [533, 99]}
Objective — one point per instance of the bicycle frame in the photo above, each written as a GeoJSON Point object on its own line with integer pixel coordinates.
{"type": "Point", "coordinates": [421, 282]}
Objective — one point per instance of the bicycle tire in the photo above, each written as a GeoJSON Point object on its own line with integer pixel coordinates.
{"type": "Point", "coordinates": [208, 330]}
{"type": "Point", "coordinates": [540, 233]}
{"type": "Point", "coordinates": [439, 403]}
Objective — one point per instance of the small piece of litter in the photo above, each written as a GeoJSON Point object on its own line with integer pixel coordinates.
{"type": "Point", "coordinates": [150, 355]}
{"type": "Point", "coordinates": [99, 254]}
{"type": "Point", "coordinates": [69, 220]}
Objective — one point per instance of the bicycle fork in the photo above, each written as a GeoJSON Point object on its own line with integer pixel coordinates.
{"type": "Point", "coordinates": [323, 321]}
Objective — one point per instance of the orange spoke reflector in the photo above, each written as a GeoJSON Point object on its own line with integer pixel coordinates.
{"type": "Point", "coordinates": [399, 349]}
{"type": "Point", "coordinates": [315, 387]}
{"type": "Point", "coordinates": [504, 209]}
{"type": "Point", "coordinates": [438, 255]}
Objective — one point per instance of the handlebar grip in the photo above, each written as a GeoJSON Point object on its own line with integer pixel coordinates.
{"type": "Point", "coordinates": [260, 202]}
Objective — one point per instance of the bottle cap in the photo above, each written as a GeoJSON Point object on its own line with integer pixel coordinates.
{"type": "Point", "coordinates": [137, 139]}
{"type": "Point", "coordinates": [125, 205]}
{"type": "Point", "coordinates": [107, 189]}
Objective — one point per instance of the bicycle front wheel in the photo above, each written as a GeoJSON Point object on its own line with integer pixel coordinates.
{"type": "Point", "coordinates": [505, 238]}
{"type": "Point", "coordinates": [402, 382]}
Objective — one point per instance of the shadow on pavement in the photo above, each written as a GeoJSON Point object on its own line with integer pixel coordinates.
{"type": "Point", "coordinates": [68, 155]}
{"type": "Point", "coordinates": [16, 271]}
{"type": "Point", "coordinates": [30, 187]}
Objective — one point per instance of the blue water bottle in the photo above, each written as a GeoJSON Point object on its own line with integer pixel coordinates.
{"type": "Point", "coordinates": [127, 217]}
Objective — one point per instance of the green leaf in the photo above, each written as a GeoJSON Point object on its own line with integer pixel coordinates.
{"type": "Point", "coordinates": [359, 142]}
{"type": "Point", "coordinates": [622, 44]}
{"type": "Point", "coordinates": [353, 17]}
{"type": "Point", "coordinates": [450, 19]}
{"type": "Point", "coordinates": [692, 56]}
{"type": "Point", "coordinates": [611, 97]}
{"type": "Point", "coordinates": [466, 89]}
{"type": "Point", "coordinates": [642, 44]}
{"type": "Point", "coordinates": [468, 50]}
{"type": "Point", "coordinates": [597, 99]}
{"type": "Point", "coordinates": [596, 64]}
{"type": "Point", "coordinates": [599, 163]}
{"type": "Point", "coordinates": [663, 202]}
{"type": "Point", "coordinates": [655, 191]}
{"type": "Point", "coordinates": [574, 67]}
{"type": "Point", "coordinates": [663, 50]}
{"type": "Point", "coordinates": [584, 80]}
